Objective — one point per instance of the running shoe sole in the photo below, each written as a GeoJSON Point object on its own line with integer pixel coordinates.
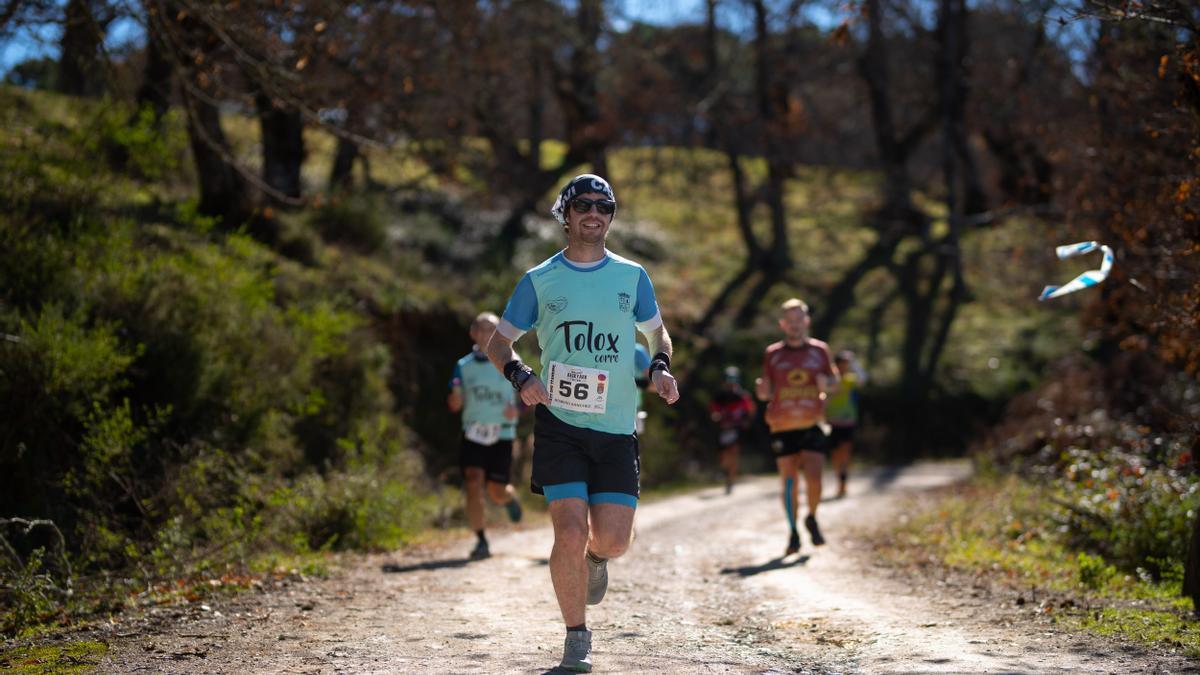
{"type": "Point", "coordinates": [597, 580]}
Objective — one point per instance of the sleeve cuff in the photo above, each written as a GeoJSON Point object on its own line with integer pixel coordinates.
{"type": "Point", "coordinates": [509, 331]}
{"type": "Point", "coordinates": [651, 324]}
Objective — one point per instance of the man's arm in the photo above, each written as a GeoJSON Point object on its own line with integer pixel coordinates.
{"type": "Point", "coordinates": [659, 343]}
{"type": "Point", "coordinates": [500, 352]}
{"type": "Point", "coordinates": [762, 385]}
{"type": "Point", "coordinates": [832, 375]}
{"type": "Point", "coordinates": [455, 400]}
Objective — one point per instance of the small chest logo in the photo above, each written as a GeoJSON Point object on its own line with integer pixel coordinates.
{"type": "Point", "coordinates": [623, 301]}
{"type": "Point", "coordinates": [556, 305]}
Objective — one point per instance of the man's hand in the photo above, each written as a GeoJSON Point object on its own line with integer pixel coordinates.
{"type": "Point", "coordinates": [665, 385]}
{"type": "Point", "coordinates": [534, 392]}
{"type": "Point", "coordinates": [762, 389]}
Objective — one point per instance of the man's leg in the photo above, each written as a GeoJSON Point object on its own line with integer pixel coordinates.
{"type": "Point", "coordinates": [812, 461]}
{"type": "Point", "coordinates": [841, 465]}
{"type": "Point", "coordinates": [612, 527]}
{"type": "Point", "coordinates": [568, 571]}
{"type": "Point", "coordinates": [473, 487]}
{"type": "Point", "coordinates": [505, 495]}
{"type": "Point", "coordinates": [789, 466]}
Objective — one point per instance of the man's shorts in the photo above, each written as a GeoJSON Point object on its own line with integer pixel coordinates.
{"type": "Point", "coordinates": [792, 442]}
{"type": "Point", "coordinates": [839, 435]}
{"type": "Point", "coordinates": [494, 459]}
{"type": "Point", "coordinates": [728, 437]}
{"type": "Point", "coordinates": [570, 461]}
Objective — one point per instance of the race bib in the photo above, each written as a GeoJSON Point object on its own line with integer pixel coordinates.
{"type": "Point", "coordinates": [483, 434]}
{"type": "Point", "coordinates": [578, 388]}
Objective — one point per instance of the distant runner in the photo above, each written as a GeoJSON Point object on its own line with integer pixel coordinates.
{"type": "Point", "coordinates": [585, 304]}
{"type": "Point", "coordinates": [841, 411]}
{"type": "Point", "coordinates": [489, 413]}
{"type": "Point", "coordinates": [641, 378]}
{"type": "Point", "coordinates": [797, 372]}
{"type": "Point", "coordinates": [733, 410]}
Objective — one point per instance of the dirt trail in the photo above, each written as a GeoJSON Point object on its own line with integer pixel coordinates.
{"type": "Point", "coordinates": [702, 590]}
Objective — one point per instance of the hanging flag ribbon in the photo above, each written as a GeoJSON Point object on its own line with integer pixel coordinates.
{"type": "Point", "coordinates": [1089, 278]}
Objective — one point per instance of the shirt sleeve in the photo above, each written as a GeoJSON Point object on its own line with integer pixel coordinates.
{"type": "Point", "coordinates": [456, 378]}
{"type": "Point", "coordinates": [646, 307]}
{"type": "Point", "coordinates": [522, 309]}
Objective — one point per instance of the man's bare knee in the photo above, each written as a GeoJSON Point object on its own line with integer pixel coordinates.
{"type": "Point", "coordinates": [610, 544]}
{"type": "Point", "coordinates": [571, 536]}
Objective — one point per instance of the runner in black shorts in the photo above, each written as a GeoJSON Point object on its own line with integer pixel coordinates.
{"type": "Point", "coordinates": [841, 410]}
{"type": "Point", "coordinates": [732, 410]}
{"type": "Point", "coordinates": [797, 371]}
{"type": "Point", "coordinates": [489, 413]}
{"type": "Point", "coordinates": [587, 306]}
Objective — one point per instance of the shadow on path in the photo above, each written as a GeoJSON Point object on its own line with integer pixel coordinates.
{"type": "Point", "coordinates": [776, 564]}
{"type": "Point", "coordinates": [393, 568]}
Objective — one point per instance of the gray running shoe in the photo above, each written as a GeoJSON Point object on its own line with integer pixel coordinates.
{"type": "Point", "coordinates": [597, 580]}
{"type": "Point", "coordinates": [577, 652]}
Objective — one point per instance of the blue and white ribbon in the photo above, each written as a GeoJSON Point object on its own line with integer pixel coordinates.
{"type": "Point", "coordinates": [1089, 278]}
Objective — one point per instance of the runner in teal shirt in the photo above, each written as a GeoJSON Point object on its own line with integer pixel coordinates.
{"type": "Point", "coordinates": [489, 412]}
{"type": "Point", "coordinates": [585, 303]}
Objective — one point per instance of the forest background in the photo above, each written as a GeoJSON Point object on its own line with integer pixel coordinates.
{"type": "Point", "coordinates": [241, 242]}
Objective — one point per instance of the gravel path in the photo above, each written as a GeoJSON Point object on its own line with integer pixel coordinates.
{"type": "Point", "coordinates": [703, 590]}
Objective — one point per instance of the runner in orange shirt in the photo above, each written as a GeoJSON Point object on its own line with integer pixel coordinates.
{"type": "Point", "coordinates": [797, 373]}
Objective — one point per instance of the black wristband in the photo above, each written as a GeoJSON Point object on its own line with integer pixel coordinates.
{"type": "Point", "coordinates": [517, 373]}
{"type": "Point", "coordinates": [661, 361]}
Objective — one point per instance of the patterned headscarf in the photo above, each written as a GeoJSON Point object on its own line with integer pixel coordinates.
{"type": "Point", "coordinates": [587, 182]}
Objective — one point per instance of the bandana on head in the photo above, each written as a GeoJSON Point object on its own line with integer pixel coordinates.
{"type": "Point", "coordinates": [583, 183]}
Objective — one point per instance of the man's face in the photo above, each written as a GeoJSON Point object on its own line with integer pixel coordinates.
{"type": "Point", "coordinates": [590, 227]}
{"type": "Point", "coordinates": [481, 332]}
{"type": "Point", "coordinates": [794, 324]}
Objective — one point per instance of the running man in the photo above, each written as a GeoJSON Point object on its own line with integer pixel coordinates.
{"type": "Point", "coordinates": [585, 303]}
{"type": "Point", "coordinates": [797, 372]}
{"type": "Point", "coordinates": [489, 413]}
{"type": "Point", "coordinates": [733, 410]}
{"type": "Point", "coordinates": [841, 411]}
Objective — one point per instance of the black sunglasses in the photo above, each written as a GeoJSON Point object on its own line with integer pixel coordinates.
{"type": "Point", "coordinates": [605, 207]}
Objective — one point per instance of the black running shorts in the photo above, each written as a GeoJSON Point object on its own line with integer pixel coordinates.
{"type": "Point", "coordinates": [495, 459]}
{"type": "Point", "coordinates": [565, 454]}
{"type": "Point", "coordinates": [728, 437]}
{"type": "Point", "coordinates": [791, 442]}
{"type": "Point", "coordinates": [839, 435]}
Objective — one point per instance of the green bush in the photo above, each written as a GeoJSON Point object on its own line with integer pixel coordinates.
{"type": "Point", "coordinates": [1126, 494]}
{"type": "Point", "coordinates": [1094, 573]}
{"type": "Point", "coordinates": [356, 221]}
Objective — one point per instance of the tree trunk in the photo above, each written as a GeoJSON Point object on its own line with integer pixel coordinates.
{"type": "Point", "coordinates": [79, 68]}
{"type": "Point", "coordinates": [224, 193]}
{"type": "Point", "coordinates": [155, 90]}
{"type": "Point", "coordinates": [341, 176]}
{"type": "Point", "coordinates": [282, 147]}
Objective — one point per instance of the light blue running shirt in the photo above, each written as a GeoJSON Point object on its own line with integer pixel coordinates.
{"type": "Point", "coordinates": [485, 393]}
{"type": "Point", "coordinates": [585, 317]}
